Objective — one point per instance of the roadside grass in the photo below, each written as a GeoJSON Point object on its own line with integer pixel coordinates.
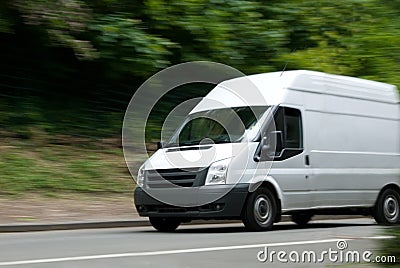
{"type": "Point", "coordinates": [36, 166]}
{"type": "Point", "coordinates": [391, 247]}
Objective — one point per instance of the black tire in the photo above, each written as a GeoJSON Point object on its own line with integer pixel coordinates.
{"type": "Point", "coordinates": [387, 207]}
{"type": "Point", "coordinates": [164, 224]}
{"type": "Point", "coordinates": [301, 218]}
{"type": "Point", "coordinates": [260, 210]}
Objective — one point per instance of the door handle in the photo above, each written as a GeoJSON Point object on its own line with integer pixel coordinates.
{"type": "Point", "coordinates": [307, 160]}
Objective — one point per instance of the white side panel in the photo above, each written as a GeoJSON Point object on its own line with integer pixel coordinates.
{"type": "Point", "coordinates": [354, 148]}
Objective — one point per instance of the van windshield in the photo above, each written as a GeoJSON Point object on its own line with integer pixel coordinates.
{"type": "Point", "coordinates": [226, 125]}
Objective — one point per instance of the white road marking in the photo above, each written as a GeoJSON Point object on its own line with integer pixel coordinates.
{"type": "Point", "coordinates": [179, 251]}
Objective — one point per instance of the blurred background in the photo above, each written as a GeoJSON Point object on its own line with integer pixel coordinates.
{"type": "Point", "coordinates": [68, 69]}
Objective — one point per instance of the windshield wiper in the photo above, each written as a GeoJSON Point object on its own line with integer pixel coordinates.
{"type": "Point", "coordinates": [220, 139]}
{"type": "Point", "coordinates": [188, 143]}
{"type": "Point", "coordinates": [174, 144]}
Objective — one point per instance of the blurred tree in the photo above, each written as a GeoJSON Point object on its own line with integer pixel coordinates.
{"type": "Point", "coordinates": [356, 38]}
{"type": "Point", "coordinates": [64, 54]}
{"type": "Point", "coordinates": [232, 32]}
{"type": "Point", "coordinates": [346, 36]}
{"type": "Point", "coordinates": [64, 21]}
{"type": "Point", "coordinates": [127, 48]}
{"type": "Point", "coordinates": [5, 20]}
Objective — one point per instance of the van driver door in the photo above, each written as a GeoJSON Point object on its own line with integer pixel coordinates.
{"type": "Point", "coordinates": [290, 167]}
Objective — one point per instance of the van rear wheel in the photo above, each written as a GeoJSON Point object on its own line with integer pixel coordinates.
{"type": "Point", "coordinates": [387, 207]}
{"type": "Point", "coordinates": [164, 224]}
{"type": "Point", "coordinates": [260, 210]}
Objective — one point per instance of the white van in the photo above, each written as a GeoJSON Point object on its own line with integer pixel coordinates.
{"type": "Point", "coordinates": [317, 144]}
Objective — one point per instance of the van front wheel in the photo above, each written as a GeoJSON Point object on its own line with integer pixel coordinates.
{"type": "Point", "coordinates": [164, 224]}
{"type": "Point", "coordinates": [387, 207]}
{"type": "Point", "coordinates": [260, 210]}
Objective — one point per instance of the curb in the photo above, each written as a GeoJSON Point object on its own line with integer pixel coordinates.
{"type": "Point", "coordinates": [15, 228]}
{"type": "Point", "coordinates": [71, 226]}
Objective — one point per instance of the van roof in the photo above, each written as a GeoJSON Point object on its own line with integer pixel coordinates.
{"type": "Point", "coordinates": [318, 82]}
{"type": "Point", "coordinates": [273, 89]}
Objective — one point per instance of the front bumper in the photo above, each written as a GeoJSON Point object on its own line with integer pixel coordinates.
{"type": "Point", "coordinates": [227, 207]}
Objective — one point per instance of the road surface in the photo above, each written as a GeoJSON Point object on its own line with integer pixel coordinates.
{"type": "Point", "coordinates": [223, 245]}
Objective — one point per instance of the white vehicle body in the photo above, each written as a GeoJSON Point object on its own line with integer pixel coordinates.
{"type": "Point", "coordinates": [350, 140]}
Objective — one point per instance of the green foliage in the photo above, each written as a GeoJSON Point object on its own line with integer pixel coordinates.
{"type": "Point", "coordinates": [356, 38]}
{"type": "Point", "coordinates": [6, 22]}
{"type": "Point", "coordinates": [69, 68]}
{"type": "Point", "coordinates": [63, 21]}
{"type": "Point", "coordinates": [127, 47]}
{"type": "Point", "coordinates": [137, 38]}
{"type": "Point", "coordinates": [231, 32]}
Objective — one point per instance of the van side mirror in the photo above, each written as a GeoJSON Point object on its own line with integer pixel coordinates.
{"type": "Point", "coordinates": [271, 146]}
{"type": "Point", "coordinates": [160, 145]}
{"type": "Point", "coordinates": [276, 138]}
{"type": "Point", "coordinates": [265, 153]}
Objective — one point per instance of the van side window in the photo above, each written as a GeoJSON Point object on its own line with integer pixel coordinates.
{"type": "Point", "coordinates": [288, 121]}
{"type": "Point", "coordinates": [293, 131]}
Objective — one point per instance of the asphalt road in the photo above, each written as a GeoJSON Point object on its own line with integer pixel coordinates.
{"type": "Point", "coordinates": [223, 245]}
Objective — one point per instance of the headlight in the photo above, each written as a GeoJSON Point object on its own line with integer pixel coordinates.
{"type": "Point", "coordinates": [140, 177]}
{"type": "Point", "coordinates": [217, 172]}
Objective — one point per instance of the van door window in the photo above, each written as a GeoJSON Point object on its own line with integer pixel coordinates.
{"type": "Point", "coordinates": [288, 123]}
{"type": "Point", "coordinates": [293, 131]}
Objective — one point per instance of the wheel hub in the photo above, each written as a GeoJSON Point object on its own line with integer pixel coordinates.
{"type": "Point", "coordinates": [262, 209]}
{"type": "Point", "coordinates": [391, 207]}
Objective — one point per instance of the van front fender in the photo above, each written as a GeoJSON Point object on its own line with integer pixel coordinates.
{"type": "Point", "coordinates": [258, 181]}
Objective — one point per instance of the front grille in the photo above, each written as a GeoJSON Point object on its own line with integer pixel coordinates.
{"type": "Point", "coordinates": [161, 178]}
